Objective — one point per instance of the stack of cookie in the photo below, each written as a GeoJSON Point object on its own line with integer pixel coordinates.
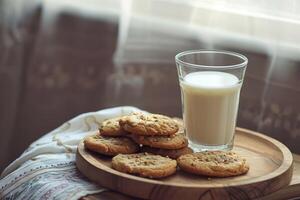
{"type": "Point", "coordinates": [160, 139]}
{"type": "Point", "coordinates": [152, 133]}
{"type": "Point", "coordinates": [157, 134]}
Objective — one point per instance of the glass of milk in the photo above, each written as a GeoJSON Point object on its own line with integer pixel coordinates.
{"type": "Point", "coordinates": [210, 83]}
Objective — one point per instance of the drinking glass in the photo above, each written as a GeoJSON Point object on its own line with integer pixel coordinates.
{"type": "Point", "coordinates": [210, 83]}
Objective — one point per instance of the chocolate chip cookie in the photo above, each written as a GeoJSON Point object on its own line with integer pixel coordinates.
{"type": "Point", "coordinates": [111, 127]}
{"type": "Point", "coordinates": [175, 141]}
{"type": "Point", "coordinates": [110, 146]}
{"type": "Point", "coordinates": [213, 163]}
{"type": "Point", "coordinates": [148, 124]}
{"type": "Point", "coordinates": [145, 165]}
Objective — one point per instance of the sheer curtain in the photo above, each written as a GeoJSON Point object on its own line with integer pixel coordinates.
{"type": "Point", "coordinates": [150, 27]}
{"type": "Point", "coordinates": [15, 20]}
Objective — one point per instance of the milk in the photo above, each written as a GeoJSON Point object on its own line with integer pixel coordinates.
{"type": "Point", "coordinates": [210, 106]}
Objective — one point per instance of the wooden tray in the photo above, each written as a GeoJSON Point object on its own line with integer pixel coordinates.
{"type": "Point", "coordinates": [270, 169]}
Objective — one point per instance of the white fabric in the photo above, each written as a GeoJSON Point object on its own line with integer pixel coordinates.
{"type": "Point", "coordinates": [46, 170]}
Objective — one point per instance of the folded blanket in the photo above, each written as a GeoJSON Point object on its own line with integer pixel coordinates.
{"type": "Point", "coordinates": [46, 170]}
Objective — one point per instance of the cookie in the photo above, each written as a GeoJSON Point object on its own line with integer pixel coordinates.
{"type": "Point", "coordinates": [171, 153]}
{"type": "Point", "coordinates": [145, 165]}
{"type": "Point", "coordinates": [213, 163]}
{"type": "Point", "coordinates": [110, 146]}
{"type": "Point", "coordinates": [112, 128]}
{"type": "Point", "coordinates": [176, 141]}
{"type": "Point", "coordinates": [148, 124]}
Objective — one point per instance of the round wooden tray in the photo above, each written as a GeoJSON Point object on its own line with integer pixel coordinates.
{"type": "Point", "coordinates": [270, 169]}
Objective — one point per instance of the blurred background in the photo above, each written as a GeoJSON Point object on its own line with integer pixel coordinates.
{"type": "Point", "coordinates": [62, 58]}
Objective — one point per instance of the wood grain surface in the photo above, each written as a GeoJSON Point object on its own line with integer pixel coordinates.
{"type": "Point", "coordinates": [270, 170]}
